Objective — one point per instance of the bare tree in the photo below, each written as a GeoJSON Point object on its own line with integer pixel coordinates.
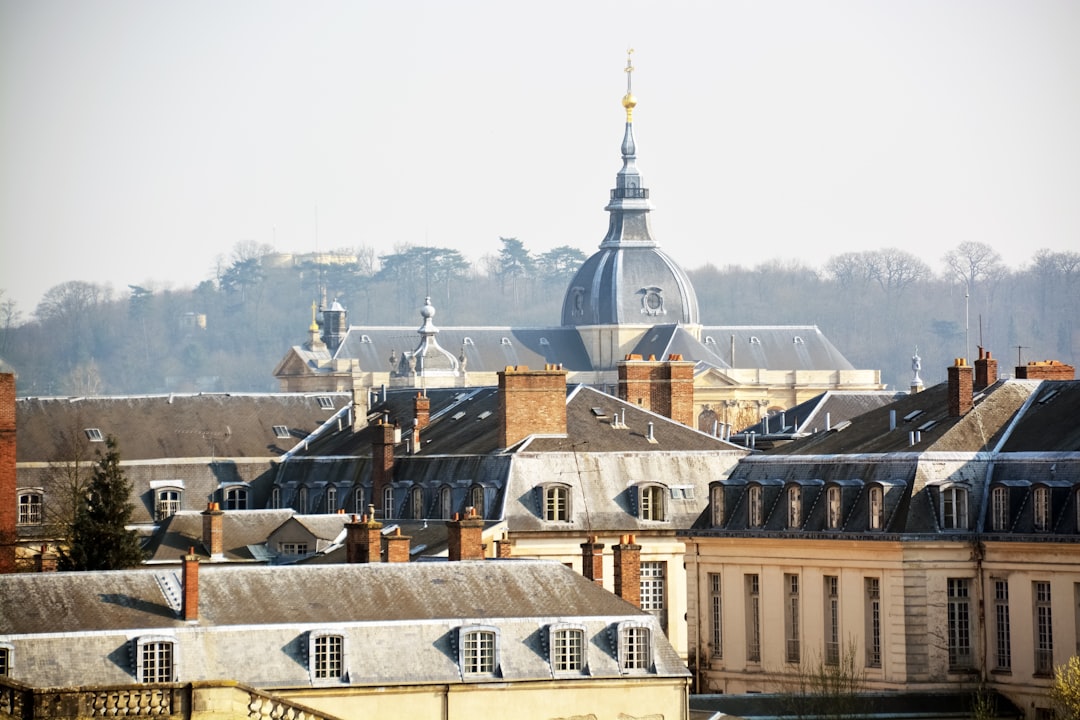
{"type": "Point", "coordinates": [972, 262]}
{"type": "Point", "coordinates": [821, 689]}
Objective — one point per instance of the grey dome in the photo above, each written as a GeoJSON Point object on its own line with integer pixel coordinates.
{"type": "Point", "coordinates": [630, 280]}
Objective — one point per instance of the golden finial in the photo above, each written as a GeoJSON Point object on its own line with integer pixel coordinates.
{"type": "Point", "coordinates": [314, 325]}
{"type": "Point", "coordinates": [629, 101]}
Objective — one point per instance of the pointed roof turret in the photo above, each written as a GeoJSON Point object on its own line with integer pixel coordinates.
{"type": "Point", "coordinates": [429, 360]}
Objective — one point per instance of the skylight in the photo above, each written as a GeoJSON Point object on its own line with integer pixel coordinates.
{"type": "Point", "coordinates": [912, 415]}
{"type": "Point", "coordinates": [325, 402]}
{"type": "Point", "coordinates": [281, 432]}
{"type": "Point", "coordinates": [94, 435]}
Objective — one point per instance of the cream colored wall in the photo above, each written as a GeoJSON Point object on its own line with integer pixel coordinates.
{"type": "Point", "coordinates": [667, 549]}
{"type": "Point", "coordinates": [665, 698]}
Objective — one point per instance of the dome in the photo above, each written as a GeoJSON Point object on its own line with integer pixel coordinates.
{"type": "Point", "coordinates": [630, 280]}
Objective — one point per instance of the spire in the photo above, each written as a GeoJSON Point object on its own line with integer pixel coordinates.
{"type": "Point", "coordinates": [629, 204]}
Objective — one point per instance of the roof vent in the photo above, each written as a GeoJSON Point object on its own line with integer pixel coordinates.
{"type": "Point", "coordinates": [365, 339]}
{"type": "Point", "coordinates": [544, 341]}
{"type": "Point", "coordinates": [458, 415]}
{"type": "Point", "coordinates": [912, 415]}
{"type": "Point", "coordinates": [798, 340]}
{"type": "Point", "coordinates": [754, 340]}
{"type": "Point", "coordinates": [467, 341]}
{"type": "Point", "coordinates": [709, 340]}
{"type": "Point", "coordinates": [505, 341]}
{"type": "Point", "coordinates": [484, 415]}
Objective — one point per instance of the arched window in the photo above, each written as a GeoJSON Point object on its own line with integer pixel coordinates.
{"type": "Point", "coordinates": [331, 499]}
{"type": "Point", "coordinates": [476, 499]}
{"type": "Point", "coordinates": [358, 501]}
{"type": "Point", "coordinates": [416, 502]}
{"type": "Point", "coordinates": [167, 503]}
{"type": "Point", "coordinates": [567, 647]}
{"type": "Point", "coordinates": [1040, 498]}
{"type": "Point", "coordinates": [446, 504]}
{"type": "Point", "coordinates": [302, 499]}
{"type": "Point", "coordinates": [651, 504]}
{"type": "Point", "coordinates": [835, 511]}
{"type": "Point", "coordinates": [31, 508]}
{"type": "Point", "coordinates": [478, 649]}
{"type": "Point", "coordinates": [275, 498]}
{"type": "Point", "coordinates": [557, 503]}
{"type": "Point", "coordinates": [794, 496]}
{"type": "Point", "coordinates": [388, 502]}
{"type": "Point", "coordinates": [155, 659]}
{"type": "Point", "coordinates": [236, 498]}
{"type": "Point", "coordinates": [755, 504]}
{"type": "Point", "coordinates": [999, 508]}
{"type": "Point", "coordinates": [877, 507]}
{"type": "Point", "coordinates": [954, 508]}
{"type": "Point", "coordinates": [635, 647]}
{"type": "Point", "coordinates": [716, 505]}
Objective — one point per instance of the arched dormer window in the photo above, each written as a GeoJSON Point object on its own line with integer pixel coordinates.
{"type": "Point", "coordinates": [954, 507]}
{"type": "Point", "coordinates": [302, 500]}
{"type": "Point", "coordinates": [652, 503]}
{"type": "Point", "coordinates": [446, 503]}
{"type": "Point", "coordinates": [167, 503]}
{"type": "Point", "coordinates": [556, 497]}
{"type": "Point", "coordinates": [999, 508]}
{"type": "Point", "coordinates": [358, 501]}
{"type": "Point", "coordinates": [31, 507]}
{"type": "Point", "coordinates": [1040, 500]}
{"type": "Point", "coordinates": [755, 501]}
{"type": "Point", "coordinates": [236, 497]}
{"type": "Point", "coordinates": [388, 502]}
{"type": "Point", "coordinates": [416, 502]}
{"type": "Point", "coordinates": [716, 505]}
{"type": "Point", "coordinates": [834, 509]}
{"type": "Point", "coordinates": [876, 509]}
{"type": "Point", "coordinates": [794, 503]}
{"type": "Point", "coordinates": [331, 499]}
{"type": "Point", "coordinates": [275, 498]}
{"type": "Point", "coordinates": [476, 499]}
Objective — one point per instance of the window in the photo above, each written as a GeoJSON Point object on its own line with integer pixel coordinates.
{"type": "Point", "coordinates": [791, 617]}
{"type": "Point", "coordinates": [634, 652]}
{"type": "Point", "coordinates": [716, 505]}
{"type": "Point", "coordinates": [6, 652]}
{"type": "Point", "coordinates": [358, 501]}
{"type": "Point", "coordinates": [416, 502]}
{"type": "Point", "coordinates": [557, 503]}
{"type": "Point", "coordinates": [388, 502]}
{"type": "Point", "coordinates": [94, 435]}
{"type": "Point", "coordinates": [716, 606]}
{"type": "Point", "coordinates": [959, 623]}
{"type": "Point", "coordinates": [999, 508]}
{"type": "Point", "coordinates": [281, 432]}
{"type": "Point", "coordinates": [567, 648]}
{"type": "Point", "coordinates": [1044, 638]}
{"type": "Point", "coordinates": [292, 548]}
{"type": "Point", "coordinates": [1002, 640]}
{"type": "Point", "coordinates": [478, 651]}
{"type": "Point", "coordinates": [155, 660]}
{"type": "Point", "coordinates": [651, 502]}
{"type": "Point", "coordinates": [652, 589]}
{"type": "Point", "coordinates": [327, 656]}
{"type": "Point", "coordinates": [301, 499]}
{"type": "Point", "coordinates": [275, 498]}
{"type": "Point", "coordinates": [31, 508]}
{"type": "Point", "coordinates": [834, 507]}
{"type": "Point", "coordinates": [331, 499]}
{"type": "Point", "coordinates": [877, 507]}
{"type": "Point", "coordinates": [832, 620]}
{"type": "Point", "coordinates": [954, 508]}
{"type": "Point", "coordinates": [236, 498]}
{"type": "Point", "coordinates": [873, 622]}
{"type": "Point", "coordinates": [446, 504]}
{"type": "Point", "coordinates": [476, 499]}
{"type": "Point", "coordinates": [756, 510]}
{"type": "Point", "coordinates": [794, 497]}
{"type": "Point", "coordinates": [1041, 501]}
{"type": "Point", "coordinates": [168, 504]}
{"type": "Point", "coordinates": [753, 618]}
{"type": "Point", "coordinates": [325, 402]}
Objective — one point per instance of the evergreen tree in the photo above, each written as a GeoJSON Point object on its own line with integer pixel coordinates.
{"type": "Point", "coordinates": [99, 539]}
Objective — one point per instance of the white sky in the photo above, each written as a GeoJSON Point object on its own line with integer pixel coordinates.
{"type": "Point", "coordinates": [139, 140]}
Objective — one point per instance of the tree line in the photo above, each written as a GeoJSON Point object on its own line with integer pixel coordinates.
{"type": "Point", "coordinates": [228, 332]}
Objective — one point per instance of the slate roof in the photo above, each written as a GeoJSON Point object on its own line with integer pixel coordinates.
{"type": "Point", "coordinates": [775, 347]}
{"type": "Point", "coordinates": [825, 410]}
{"type": "Point", "coordinates": [240, 530]}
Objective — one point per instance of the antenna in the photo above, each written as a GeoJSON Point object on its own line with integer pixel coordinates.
{"type": "Point", "coordinates": [1020, 362]}
{"type": "Point", "coordinates": [629, 69]}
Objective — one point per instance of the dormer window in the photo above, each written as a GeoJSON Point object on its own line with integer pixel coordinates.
{"type": "Point", "coordinates": [651, 505]}
{"type": "Point", "coordinates": [476, 499]}
{"type": "Point", "coordinates": [327, 652]}
{"type": "Point", "coordinates": [999, 508]}
{"type": "Point", "coordinates": [416, 502]}
{"type": "Point", "coordinates": [794, 497]}
{"type": "Point", "coordinates": [567, 644]}
{"type": "Point", "coordinates": [236, 498]}
{"type": "Point", "coordinates": [835, 511]}
{"type": "Point", "coordinates": [446, 503]}
{"type": "Point", "coordinates": [167, 503]}
{"type": "Point", "coordinates": [1040, 500]}
{"type": "Point", "coordinates": [876, 502]}
{"type": "Point", "coordinates": [556, 503]}
{"type": "Point", "coordinates": [31, 508]}
{"type": "Point", "coordinates": [954, 508]}
{"type": "Point", "coordinates": [478, 650]}
{"type": "Point", "coordinates": [331, 499]}
{"type": "Point", "coordinates": [635, 646]}
{"type": "Point", "coordinates": [388, 502]}
{"type": "Point", "coordinates": [302, 500]}
{"type": "Point", "coordinates": [755, 506]}
{"type": "Point", "coordinates": [155, 660]}
{"type": "Point", "coordinates": [716, 505]}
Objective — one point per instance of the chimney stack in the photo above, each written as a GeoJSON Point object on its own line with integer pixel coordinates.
{"type": "Point", "coordinates": [212, 531]}
{"type": "Point", "coordinates": [422, 410]}
{"type": "Point", "coordinates": [531, 402]}
{"type": "Point", "coordinates": [986, 371]}
{"type": "Point", "coordinates": [363, 539]}
{"type": "Point", "coordinates": [960, 388]}
{"type": "Point", "coordinates": [1046, 370]}
{"type": "Point", "coordinates": [592, 560]}
{"type": "Point", "coordinates": [664, 387]}
{"type": "Point", "coordinates": [382, 462]}
{"type": "Point", "coordinates": [8, 499]}
{"type": "Point", "coordinates": [190, 601]}
{"type": "Point", "coordinates": [465, 537]}
{"type": "Point", "coordinates": [628, 570]}
{"type": "Point", "coordinates": [360, 396]}
{"type": "Point", "coordinates": [397, 547]}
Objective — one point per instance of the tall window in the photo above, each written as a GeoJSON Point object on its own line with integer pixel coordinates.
{"type": "Point", "coordinates": [236, 498]}
{"type": "Point", "coordinates": [155, 658]}
{"type": "Point", "coordinates": [999, 508]}
{"type": "Point", "coordinates": [716, 607]}
{"type": "Point", "coordinates": [954, 504]}
{"type": "Point", "coordinates": [275, 498]}
{"type": "Point", "coordinates": [328, 656]}
{"type": "Point", "coordinates": [478, 652]}
{"type": "Point", "coordinates": [794, 497]}
{"type": "Point", "coordinates": [753, 618]}
{"type": "Point", "coordinates": [1041, 499]}
{"type": "Point", "coordinates": [651, 502]}
{"type": "Point", "coordinates": [167, 505]}
{"type": "Point", "coordinates": [416, 502]}
{"type": "Point", "coordinates": [30, 509]}
{"type": "Point", "coordinates": [832, 620]}
{"type": "Point", "coordinates": [1044, 638]}
{"type": "Point", "coordinates": [791, 617]}
{"type": "Point", "coordinates": [557, 503]}
{"type": "Point", "coordinates": [1002, 639]}
{"type": "Point", "coordinates": [873, 622]}
{"type": "Point", "coordinates": [716, 505]}
{"type": "Point", "coordinates": [476, 499]}
{"type": "Point", "coordinates": [5, 660]}
{"type": "Point", "coordinates": [756, 508]}
{"type": "Point", "coordinates": [833, 498]}
{"type": "Point", "coordinates": [302, 500]}
{"type": "Point", "coordinates": [445, 503]}
{"type": "Point", "coordinates": [331, 499]}
{"type": "Point", "coordinates": [959, 623]}
{"type": "Point", "coordinates": [652, 589]}
{"type": "Point", "coordinates": [877, 507]}
{"type": "Point", "coordinates": [388, 502]}
{"type": "Point", "coordinates": [567, 649]}
{"type": "Point", "coordinates": [635, 652]}
{"type": "Point", "coordinates": [358, 501]}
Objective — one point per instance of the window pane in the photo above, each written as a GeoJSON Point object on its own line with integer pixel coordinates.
{"type": "Point", "coordinates": [566, 650]}
{"type": "Point", "coordinates": [157, 662]}
{"type": "Point", "coordinates": [636, 653]}
{"type": "Point", "coordinates": [479, 652]}
{"type": "Point", "coordinates": [327, 658]}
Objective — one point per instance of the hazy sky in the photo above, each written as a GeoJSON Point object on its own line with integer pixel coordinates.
{"type": "Point", "coordinates": [140, 140]}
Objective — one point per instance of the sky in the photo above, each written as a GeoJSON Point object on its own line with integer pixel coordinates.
{"type": "Point", "coordinates": [141, 141]}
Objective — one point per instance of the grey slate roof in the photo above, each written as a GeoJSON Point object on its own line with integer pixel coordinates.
{"type": "Point", "coordinates": [240, 529]}
{"type": "Point", "coordinates": [775, 347]}
{"type": "Point", "coordinates": [822, 411]}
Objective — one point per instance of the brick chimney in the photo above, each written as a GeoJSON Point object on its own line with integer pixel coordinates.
{"type": "Point", "coordinates": [531, 402]}
{"type": "Point", "coordinates": [44, 561]}
{"type": "Point", "coordinates": [986, 371]}
{"type": "Point", "coordinates": [664, 387]}
{"type": "Point", "coordinates": [8, 501]}
{"type": "Point", "coordinates": [397, 547]}
{"type": "Point", "coordinates": [363, 539]}
{"type": "Point", "coordinates": [190, 601]}
{"type": "Point", "coordinates": [382, 462]}
{"type": "Point", "coordinates": [504, 548]}
{"type": "Point", "coordinates": [422, 410]}
{"type": "Point", "coordinates": [359, 407]}
{"type": "Point", "coordinates": [1046, 370]}
{"type": "Point", "coordinates": [212, 532]}
{"type": "Point", "coordinates": [465, 537]}
{"type": "Point", "coordinates": [960, 388]}
{"type": "Point", "coordinates": [592, 560]}
{"type": "Point", "coordinates": [628, 570]}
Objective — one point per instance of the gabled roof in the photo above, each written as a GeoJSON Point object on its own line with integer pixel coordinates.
{"type": "Point", "coordinates": [154, 427]}
{"type": "Point", "coordinates": [240, 529]}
